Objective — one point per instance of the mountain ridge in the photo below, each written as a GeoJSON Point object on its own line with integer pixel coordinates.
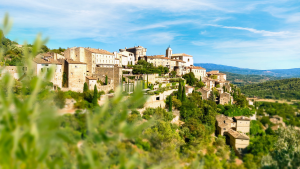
{"type": "Point", "coordinates": [294, 72]}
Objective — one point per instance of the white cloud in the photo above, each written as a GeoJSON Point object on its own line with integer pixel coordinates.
{"type": "Point", "coordinates": [262, 32]}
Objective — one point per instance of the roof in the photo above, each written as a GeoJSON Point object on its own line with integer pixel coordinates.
{"type": "Point", "coordinates": [238, 135]}
{"type": "Point", "coordinates": [196, 67]}
{"type": "Point", "coordinates": [157, 57]}
{"type": "Point", "coordinates": [99, 51]}
{"type": "Point", "coordinates": [46, 61]}
{"type": "Point", "coordinates": [213, 71]}
{"type": "Point", "coordinates": [91, 78]}
{"type": "Point", "coordinates": [180, 61]}
{"type": "Point", "coordinates": [182, 54]}
{"type": "Point", "coordinates": [204, 89]}
{"type": "Point", "coordinates": [222, 117]}
{"type": "Point", "coordinates": [70, 61]}
{"type": "Point", "coordinates": [244, 118]}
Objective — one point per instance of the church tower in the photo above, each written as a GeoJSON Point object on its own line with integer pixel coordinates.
{"type": "Point", "coordinates": [169, 52]}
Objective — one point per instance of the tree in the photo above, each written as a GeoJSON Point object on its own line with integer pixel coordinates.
{"type": "Point", "coordinates": [190, 78]}
{"type": "Point", "coordinates": [85, 87]}
{"type": "Point", "coordinates": [173, 73]}
{"type": "Point", "coordinates": [65, 80]}
{"type": "Point", "coordinates": [95, 97]}
{"type": "Point", "coordinates": [170, 104]}
{"type": "Point", "coordinates": [200, 84]}
{"type": "Point", "coordinates": [177, 103]}
{"type": "Point", "coordinates": [147, 80]}
{"type": "Point", "coordinates": [106, 80]}
{"type": "Point", "coordinates": [212, 96]}
{"type": "Point", "coordinates": [179, 95]}
{"type": "Point", "coordinates": [183, 94]}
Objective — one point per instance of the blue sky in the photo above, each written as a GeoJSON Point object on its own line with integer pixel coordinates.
{"type": "Point", "coordinates": [258, 34]}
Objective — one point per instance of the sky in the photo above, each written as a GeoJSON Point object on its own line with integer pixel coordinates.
{"type": "Point", "coordinates": [256, 34]}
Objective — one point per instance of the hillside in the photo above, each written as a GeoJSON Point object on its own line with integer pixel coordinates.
{"type": "Point", "coordinates": [278, 89]}
{"type": "Point", "coordinates": [242, 80]}
{"type": "Point", "coordinates": [13, 52]}
{"type": "Point", "coordinates": [275, 72]}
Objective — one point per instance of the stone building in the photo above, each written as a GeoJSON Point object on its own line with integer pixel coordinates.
{"type": "Point", "coordinates": [205, 92]}
{"type": "Point", "coordinates": [209, 83]}
{"type": "Point", "coordinates": [188, 59]}
{"type": "Point", "coordinates": [234, 130]}
{"type": "Point", "coordinates": [238, 141]}
{"type": "Point", "coordinates": [220, 76]}
{"type": "Point", "coordinates": [113, 73]}
{"type": "Point", "coordinates": [41, 65]}
{"type": "Point", "coordinates": [92, 57]}
{"type": "Point", "coordinates": [180, 67]}
{"type": "Point", "coordinates": [199, 72]}
{"type": "Point", "coordinates": [128, 58]}
{"type": "Point", "coordinates": [242, 124]}
{"type": "Point", "coordinates": [91, 82]}
{"type": "Point", "coordinates": [158, 60]}
{"type": "Point", "coordinates": [225, 98]}
{"type": "Point", "coordinates": [76, 74]}
{"type": "Point", "coordinates": [138, 51]}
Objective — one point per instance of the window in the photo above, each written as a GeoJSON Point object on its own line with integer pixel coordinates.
{"type": "Point", "coordinates": [75, 66]}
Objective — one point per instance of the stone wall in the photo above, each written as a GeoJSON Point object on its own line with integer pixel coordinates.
{"type": "Point", "coordinates": [76, 76]}
{"type": "Point", "coordinates": [112, 73]}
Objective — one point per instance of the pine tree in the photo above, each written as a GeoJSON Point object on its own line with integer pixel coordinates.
{"type": "Point", "coordinates": [179, 91]}
{"type": "Point", "coordinates": [106, 80]}
{"type": "Point", "coordinates": [170, 103]}
{"type": "Point", "coordinates": [85, 87]}
{"type": "Point", "coordinates": [183, 94]}
{"type": "Point", "coordinates": [95, 97]}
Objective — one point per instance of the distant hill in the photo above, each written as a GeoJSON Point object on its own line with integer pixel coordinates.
{"type": "Point", "coordinates": [241, 80]}
{"type": "Point", "coordinates": [288, 73]}
{"type": "Point", "coordinates": [277, 89]}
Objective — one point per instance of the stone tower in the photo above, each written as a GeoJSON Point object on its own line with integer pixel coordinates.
{"type": "Point", "coordinates": [169, 52]}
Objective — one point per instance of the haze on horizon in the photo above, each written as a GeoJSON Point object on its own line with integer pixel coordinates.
{"type": "Point", "coordinates": [256, 34]}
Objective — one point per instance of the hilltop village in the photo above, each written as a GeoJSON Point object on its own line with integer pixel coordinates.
{"type": "Point", "coordinates": [79, 66]}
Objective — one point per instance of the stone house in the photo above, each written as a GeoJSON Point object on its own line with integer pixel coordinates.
{"type": "Point", "coordinates": [188, 59]}
{"type": "Point", "coordinates": [151, 78]}
{"type": "Point", "coordinates": [220, 76]}
{"type": "Point", "coordinates": [76, 74]}
{"type": "Point", "coordinates": [128, 58]}
{"type": "Point", "coordinates": [41, 65]}
{"type": "Point", "coordinates": [205, 92]}
{"type": "Point", "coordinates": [92, 57]}
{"type": "Point", "coordinates": [242, 124]}
{"type": "Point", "coordinates": [225, 98]}
{"type": "Point", "coordinates": [234, 130]}
{"type": "Point", "coordinates": [114, 73]}
{"type": "Point", "coordinates": [238, 141]}
{"type": "Point", "coordinates": [189, 89]}
{"type": "Point", "coordinates": [199, 72]}
{"type": "Point", "coordinates": [209, 83]}
{"type": "Point", "coordinates": [138, 51]}
{"type": "Point", "coordinates": [91, 82]}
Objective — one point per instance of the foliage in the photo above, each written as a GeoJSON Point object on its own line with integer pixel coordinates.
{"type": "Point", "coordinates": [278, 89]}
{"type": "Point", "coordinates": [190, 78]}
{"type": "Point", "coordinates": [157, 113]}
{"type": "Point", "coordinates": [173, 73]}
{"type": "Point", "coordinates": [170, 104]}
{"type": "Point", "coordinates": [95, 96]}
{"type": "Point", "coordinates": [200, 84]}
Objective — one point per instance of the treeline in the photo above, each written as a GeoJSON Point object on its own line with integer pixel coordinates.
{"type": "Point", "coordinates": [278, 89]}
{"type": "Point", "coordinates": [242, 80]}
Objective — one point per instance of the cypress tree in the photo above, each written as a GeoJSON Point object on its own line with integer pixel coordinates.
{"type": "Point", "coordinates": [200, 79]}
{"type": "Point", "coordinates": [95, 97]}
{"type": "Point", "coordinates": [106, 80]}
{"type": "Point", "coordinates": [147, 80]}
{"type": "Point", "coordinates": [183, 94]}
{"type": "Point", "coordinates": [170, 103]}
{"type": "Point", "coordinates": [179, 90]}
{"type": "Point", "coordinates": [212, 96]}
{"type": "Point", "coordinates": [85, 87]}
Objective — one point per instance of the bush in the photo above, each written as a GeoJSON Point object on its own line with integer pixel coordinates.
{"type": "Point", "coordinates": [111, 91]}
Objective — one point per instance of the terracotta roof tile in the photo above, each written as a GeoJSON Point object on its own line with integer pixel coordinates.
{"type": "Point", "coordinates": [101, 51]}
{"type": "Point", "coordinates": [70, 61]}
{"type": "Point", "coordinates": [238, 135]}
{"type": "Point", "coordinates": [46, 61]}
